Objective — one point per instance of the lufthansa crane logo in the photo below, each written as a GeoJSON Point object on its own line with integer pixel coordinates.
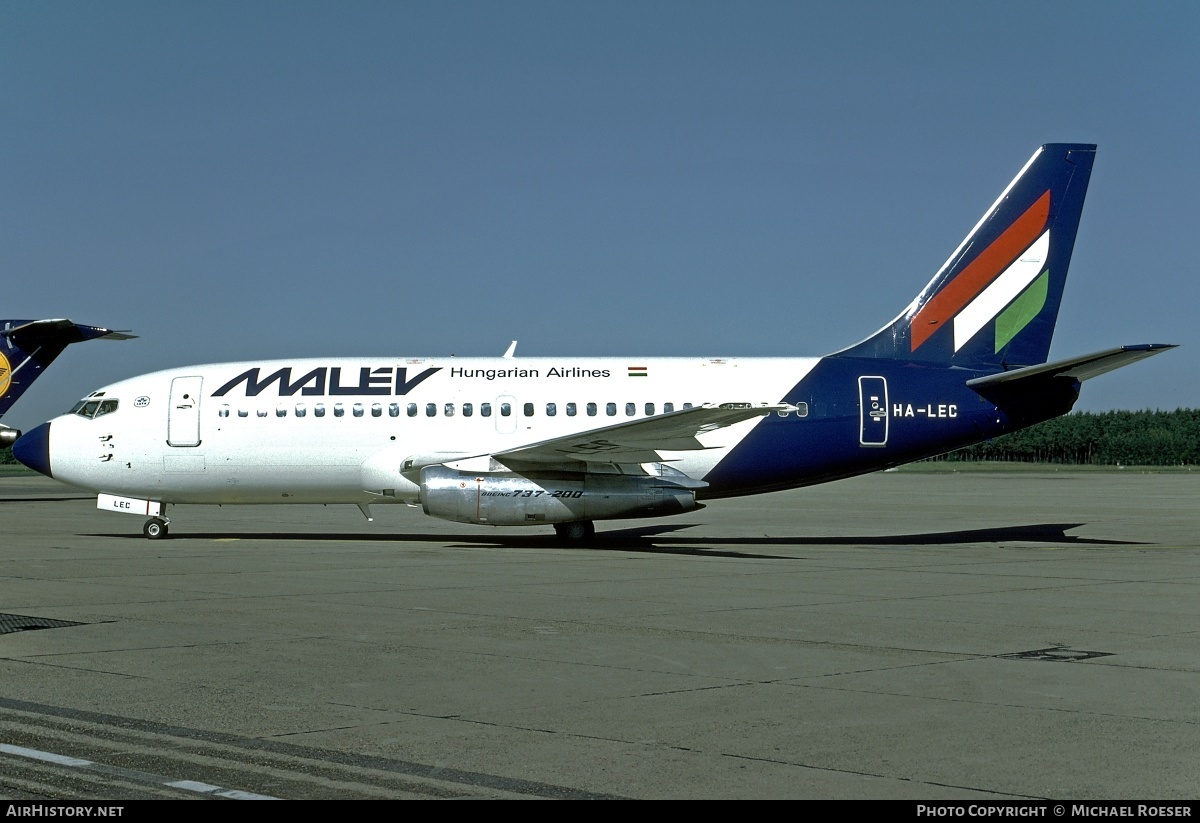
{"type": "Point", "coordinates": [5, 375]}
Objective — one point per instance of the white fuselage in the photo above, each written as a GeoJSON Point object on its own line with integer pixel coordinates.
{"type": "Point", "coordinates": [341, 430]}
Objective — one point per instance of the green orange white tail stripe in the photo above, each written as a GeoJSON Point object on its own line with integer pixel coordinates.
{"type": "Point", "coordinates": [978, 274]}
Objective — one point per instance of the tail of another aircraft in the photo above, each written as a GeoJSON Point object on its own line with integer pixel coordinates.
{"type": "Point", "coordinates": [994, 303]}
{"type": "Point", "coordinates": [27, 347]}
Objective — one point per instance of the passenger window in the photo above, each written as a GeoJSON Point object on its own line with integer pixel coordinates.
{"type": "Point", "coordinates": [393, 409]}
{"type": "Point", "coordinates": [376, 410]}
{"type": "Point", "coordinates": [529, 410]}
{"type": "Point", "coordinates": [610, 409]}
{"type": "Point", "coordinates": [338, 410]}
{"type": "Point", "coordinates": [430, 409]}
{"type": "Point", "coordinates": [649, 408]}
{"type": "Point", "coordinates": [668, 408]}
{"type": "Point", "coordinates": [591, 409]}
{"type": "Point", "coordinates": [357, 409]}
{"type": "Point", "coordinates": [281, 411]}
{"type": "Point", "coordinates": [802, 410]}
{"type": "Point", "coordinates": [782, 412]}
{"type": "Point", "coordinates": [412, 409]}
{"type": "Point", "coordinates": [468, 409]}
{"type": "Point", "coordinates": [505, 410]}
{"type": "Point", "coordinates": [485, 409]}
{"type": "Point", "coordinates": [570, 410]}
{"type": "Point", "coordinates": [449, 409]}
{"type": "Point", "coordinates": [224, 412]}
{"type": "Point", "coordinates": [243, 413]}
{"type": "Point", "coordinates": [319, 410]}
{"type": "Point", "coordinates": [687, 405]}
{"type": "Point", "coordinates": [551, 409]}
{"type": "Point", "coordinates": [300, 411]}
{"type": "Point", "coordinates": [260, 412]}
{"type": "Point", "coordinates": [630, 409]}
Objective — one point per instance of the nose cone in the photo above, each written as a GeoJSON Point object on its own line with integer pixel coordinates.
{"type": "Point", "coordinates": [33, 449]}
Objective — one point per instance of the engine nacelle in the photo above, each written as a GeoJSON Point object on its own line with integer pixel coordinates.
{"type": "Point", "coordinates": [510, 499]}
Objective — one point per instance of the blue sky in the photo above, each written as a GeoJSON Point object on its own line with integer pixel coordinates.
{"type": "Point", "coordinates": [238, 180]}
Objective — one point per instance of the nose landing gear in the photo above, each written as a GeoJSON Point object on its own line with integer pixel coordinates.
{"type": "Point", "coordinates": [155, 528]}
{"type": "Point", "coordinates": [577, 533]}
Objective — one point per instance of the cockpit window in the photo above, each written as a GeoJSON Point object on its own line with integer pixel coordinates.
{"type": "Point", "coordinates": [90, 408]}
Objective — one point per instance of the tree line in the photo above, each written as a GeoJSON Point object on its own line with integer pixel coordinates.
{"type": "Point", "coordinates": [1114, 438]}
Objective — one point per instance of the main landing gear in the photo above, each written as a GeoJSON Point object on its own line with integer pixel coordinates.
{"type": "Point", "coordinates": [577, 533]}
{"type": "Point", "coordinates": [155, 528]}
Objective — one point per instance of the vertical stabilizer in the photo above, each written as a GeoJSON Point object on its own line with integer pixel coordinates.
{"type": "Point", "coordinates": [28, 347]}
{"type": "Point", "coordinates": [994, 302]}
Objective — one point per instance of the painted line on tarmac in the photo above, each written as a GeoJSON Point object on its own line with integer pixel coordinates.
{"type": "Point", "coordinates": [131, 774]}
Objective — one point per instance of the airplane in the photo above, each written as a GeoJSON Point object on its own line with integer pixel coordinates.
{"type": "Point", "coordinates": [27, 348]}
{"type": "Point", "coordinates": [567, 442]}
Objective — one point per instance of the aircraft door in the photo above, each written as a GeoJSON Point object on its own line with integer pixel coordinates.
{"type": "Point", "coordinates": [183, 415]}
{"type": "Point", "coordinates": [872, 411]}
{"type": "Point", "coordinates": [506, 414]}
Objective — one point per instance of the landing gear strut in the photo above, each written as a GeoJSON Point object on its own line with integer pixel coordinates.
{"type": "Point", "coordinates": [577, 533]}
{"type": "Point", "coordinates": [155, 528]}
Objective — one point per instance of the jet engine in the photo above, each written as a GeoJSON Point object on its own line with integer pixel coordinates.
{"type": "Point", "coordinates": [512, 499]}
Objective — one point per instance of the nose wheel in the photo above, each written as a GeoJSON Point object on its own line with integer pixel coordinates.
{"type": "Point", "coordinates": [155, 528]}
{"type": "Point", "coordinates": [578, 533]}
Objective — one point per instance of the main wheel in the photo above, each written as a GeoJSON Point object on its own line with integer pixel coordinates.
{"type": "Point", "coordinates": [577, 533]}
{"type": "Point", "coordinates": [155, 528]}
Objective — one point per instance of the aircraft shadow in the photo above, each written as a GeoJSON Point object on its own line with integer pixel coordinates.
{"type": "Point", "coordinates": [664, 540]}
{"type": "Point", "coordinates": [4, 500]}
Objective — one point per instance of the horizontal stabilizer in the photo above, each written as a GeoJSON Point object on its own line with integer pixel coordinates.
{"type": "Point", "coordinates": [62, 331]}
{"type": "Point", "coordinates": [1078, 368]}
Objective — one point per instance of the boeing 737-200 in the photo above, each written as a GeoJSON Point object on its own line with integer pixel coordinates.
{"type": "Point", "coordinates": [566, 442]}
{"type": "Point", "coordinates": [27, 348]}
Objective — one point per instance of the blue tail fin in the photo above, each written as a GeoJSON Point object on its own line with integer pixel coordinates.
{"type": "Point", "coordinates": [27, 347]}
{"type": "Point", "coordinates": [994, 303]}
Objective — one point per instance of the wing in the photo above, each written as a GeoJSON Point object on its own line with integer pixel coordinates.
{"type": "Point", "coordinates": [638, 441]}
